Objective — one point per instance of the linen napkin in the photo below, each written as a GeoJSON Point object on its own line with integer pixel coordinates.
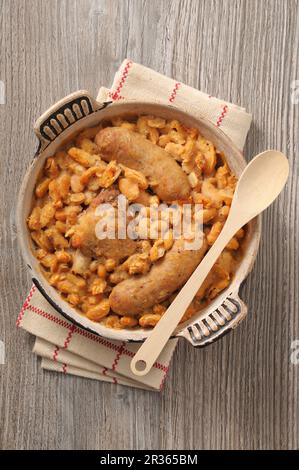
{"type": "Point", "coordinates": [69, 349]}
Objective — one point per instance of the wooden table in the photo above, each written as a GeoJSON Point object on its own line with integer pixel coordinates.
{"type": "Point", "coordinates": [242, 392]}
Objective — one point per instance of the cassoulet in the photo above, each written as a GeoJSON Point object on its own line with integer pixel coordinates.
{"type": "Point", "coordinates": [129, 282]}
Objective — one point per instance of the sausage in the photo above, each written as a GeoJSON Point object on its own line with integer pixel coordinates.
{"type": "Point", "coordinates": [134, 295]}
{"type": "Point", "coordinates": [85, 238]}
{"type": "Point", "coordinates": [133, 150]}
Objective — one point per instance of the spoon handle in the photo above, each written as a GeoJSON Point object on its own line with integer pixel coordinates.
{"type": "Point", "coordinates": [154, 344]}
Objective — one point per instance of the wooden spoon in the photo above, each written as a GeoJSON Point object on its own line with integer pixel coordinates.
{"type": "Point", "coordinates": [259, 185]}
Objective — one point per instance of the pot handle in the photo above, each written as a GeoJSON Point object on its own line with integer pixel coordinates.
{"type": "Point", "coordinates": [63, 114]}
{"type": "Point", "coordinates": [217, 323]}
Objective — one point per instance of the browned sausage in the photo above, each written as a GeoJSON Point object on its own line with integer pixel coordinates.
{"type": "Point", "coordinates": [85, 238]}
{"type": "Point", "coordinates": [134, 295]}
{"type": "Point", "coordinates": [133, 150]}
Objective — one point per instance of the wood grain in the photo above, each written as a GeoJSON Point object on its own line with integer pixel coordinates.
{"type": "Point", "coordinates": [242, 392]}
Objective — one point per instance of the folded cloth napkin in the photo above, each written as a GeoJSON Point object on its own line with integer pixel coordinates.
{"type": "Point", "coordinates": [134, 81]}
{"type": "Point", "coordinates": [68, 349]}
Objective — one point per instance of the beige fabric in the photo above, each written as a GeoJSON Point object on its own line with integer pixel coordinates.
{"type": "Point", "coordinates": [69, 349]}
{"type": "Point", "coordinates": [134, 81]}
